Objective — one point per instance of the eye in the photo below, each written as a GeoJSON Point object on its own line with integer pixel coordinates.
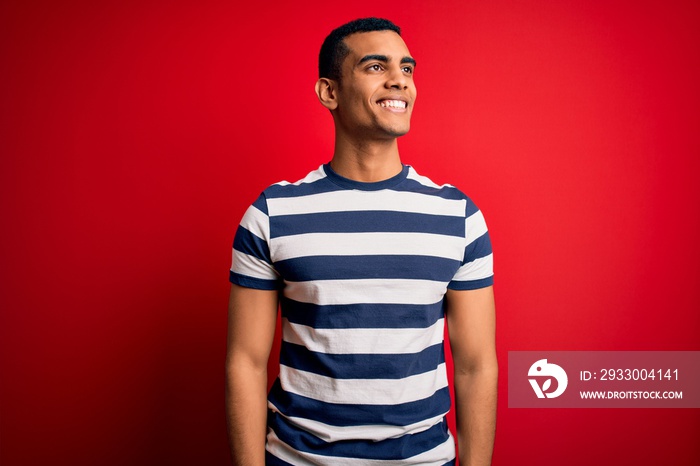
{"type": "Point", "coordinates": [375, 67]}
{"type": "Point", "coordinates": [407, 69]}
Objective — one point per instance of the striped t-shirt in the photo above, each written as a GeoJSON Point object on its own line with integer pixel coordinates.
{"type": "Point", "coordinates": [362, 269]}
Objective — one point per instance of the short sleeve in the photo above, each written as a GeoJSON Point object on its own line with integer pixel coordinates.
{"type": "Point", "coordinates": [476, 270]}
{"type": "Point", "coordinates": [251, 265]}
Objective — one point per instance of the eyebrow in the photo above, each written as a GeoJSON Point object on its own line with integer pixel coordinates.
{"type": "Point", "coordinates": [385, 59]}
{"type": "Point", "coordinates": [408, 60]}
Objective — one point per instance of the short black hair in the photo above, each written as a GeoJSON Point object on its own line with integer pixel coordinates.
{"type": "Point", "coordinates": [334, 50]}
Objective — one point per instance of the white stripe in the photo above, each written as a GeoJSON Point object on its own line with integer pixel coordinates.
{"type": "Point", "coordinates": [363, 391]}
{"type": "Point", "coordinates": [256, 222]}
{"type": "Point", "coordinates": [250, 266]}
{"type": "Point", "coordinates": [436, 457]}
{"type": "Point", "coordinates": [378, 291]}
{"type": "Point", "coordinates": [355, 200]}
{"type": "Point", "coordinates": [315, 175]}
{"type": "Point", "coordinates": [288, 454]}
{"type": "Point", "coordinates": [424, 180]}
{"type": "Point", "coordinates": [364, 340]}
{"type": "Point", "coordinates": [476, 226]}
{"type": "Point", "coordinates": [355, 244]}
{"type": "Point", "coordinates": [476, 269]}
{"type": "Point", "coordinates": [373, 433]}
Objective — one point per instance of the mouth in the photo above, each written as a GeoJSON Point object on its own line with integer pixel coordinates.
{"type": "Point", "coordinates": [395, 104]}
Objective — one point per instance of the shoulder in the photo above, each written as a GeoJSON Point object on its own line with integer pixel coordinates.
{"type": "Point", "coordinates": [310, 184]}
{"type": "Point", "coordinates": [424, 185]}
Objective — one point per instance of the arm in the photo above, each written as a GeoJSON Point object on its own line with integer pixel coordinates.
{"type": "Point", "coordinates": [251, 330]}
{"type": "Point", "coordinates": [471, 323]}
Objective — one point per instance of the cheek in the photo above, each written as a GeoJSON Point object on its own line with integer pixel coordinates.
{"type": "Point", "coordinates": [412, 89]}
{"type": "Point", "coordinates": [358, 98]}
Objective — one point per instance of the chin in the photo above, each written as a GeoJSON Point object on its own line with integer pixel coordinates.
{"type": "Point", "coordinates": [395, 130]}
{"type": "Point", "coordinates": [398, 132]}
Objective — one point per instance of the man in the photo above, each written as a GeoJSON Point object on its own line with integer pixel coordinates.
{"type": "Point", "coordinates": [367, 259]}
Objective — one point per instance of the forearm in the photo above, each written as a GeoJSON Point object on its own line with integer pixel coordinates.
{"type": "Point", "coordinates": [475, 399]}
{"type": "Point", "coordinates": [246, 412]}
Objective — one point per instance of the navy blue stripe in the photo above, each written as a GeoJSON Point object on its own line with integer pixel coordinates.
{"type": "Point", "coordinates": [272, 460]}
{"type": "Point", "coordinates": [370, 315]}
{"type": "Point", "coordinates": [366, 221]}
{"type": "Point", "coordinates": [337, 414]}
{"type": "Point", "coordinates": [365, 186]}
{"type": "Point", "coordinates": [261, 204]}
{"type": "Point", "coordinates": [249, 243]}
{"type": "Point", "coordinates": [445, 192]}
{"type": "Point", "coordinates": [471, 209]}
{"type": "Point", "coordinates": [402, 447]}
{"type": "Point", "coordinates": [300, 269]}
{"type": "Point", "coordinates": [471, 284]}
{"type": "Point", "coordinates": [480, 247]}
{"type": "Point", "coordinates": [303, 189]}
{"type": "Point", "coordinates": [361, 366]}
{"type": "Point", "coordinates": [252, 282]}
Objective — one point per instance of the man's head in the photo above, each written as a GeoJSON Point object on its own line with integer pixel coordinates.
{"type": "Point", "coordinates": [334, 49]}
{"type": "Point", "coordinates": [371, 60]}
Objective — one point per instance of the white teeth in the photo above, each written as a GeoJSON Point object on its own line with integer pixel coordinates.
{"type": "Point", "coordinates": [393, 103]}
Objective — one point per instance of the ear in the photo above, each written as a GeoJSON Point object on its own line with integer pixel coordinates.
{"type": "Point", "coordinates": [327, 90]}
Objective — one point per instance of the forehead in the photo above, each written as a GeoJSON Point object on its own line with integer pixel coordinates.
{"type": "Point", "coordinates": [386, 43]}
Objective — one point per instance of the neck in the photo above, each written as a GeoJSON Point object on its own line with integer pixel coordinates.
{"type": "Point", "coordinates": [368, 162]}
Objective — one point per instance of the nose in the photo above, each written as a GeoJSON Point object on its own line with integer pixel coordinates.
{"type": "Point", "coordinates": [396, 79]}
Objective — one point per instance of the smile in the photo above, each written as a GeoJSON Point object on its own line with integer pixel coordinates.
{"type": "Point", "coordinates": [392, 103]}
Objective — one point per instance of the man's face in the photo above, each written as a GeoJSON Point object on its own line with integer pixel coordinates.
{"type": "Point", "coordinates": [376, 93]}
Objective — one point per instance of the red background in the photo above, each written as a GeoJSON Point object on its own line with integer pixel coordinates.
{"type": "Point", "coordinates": [133, 136]}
